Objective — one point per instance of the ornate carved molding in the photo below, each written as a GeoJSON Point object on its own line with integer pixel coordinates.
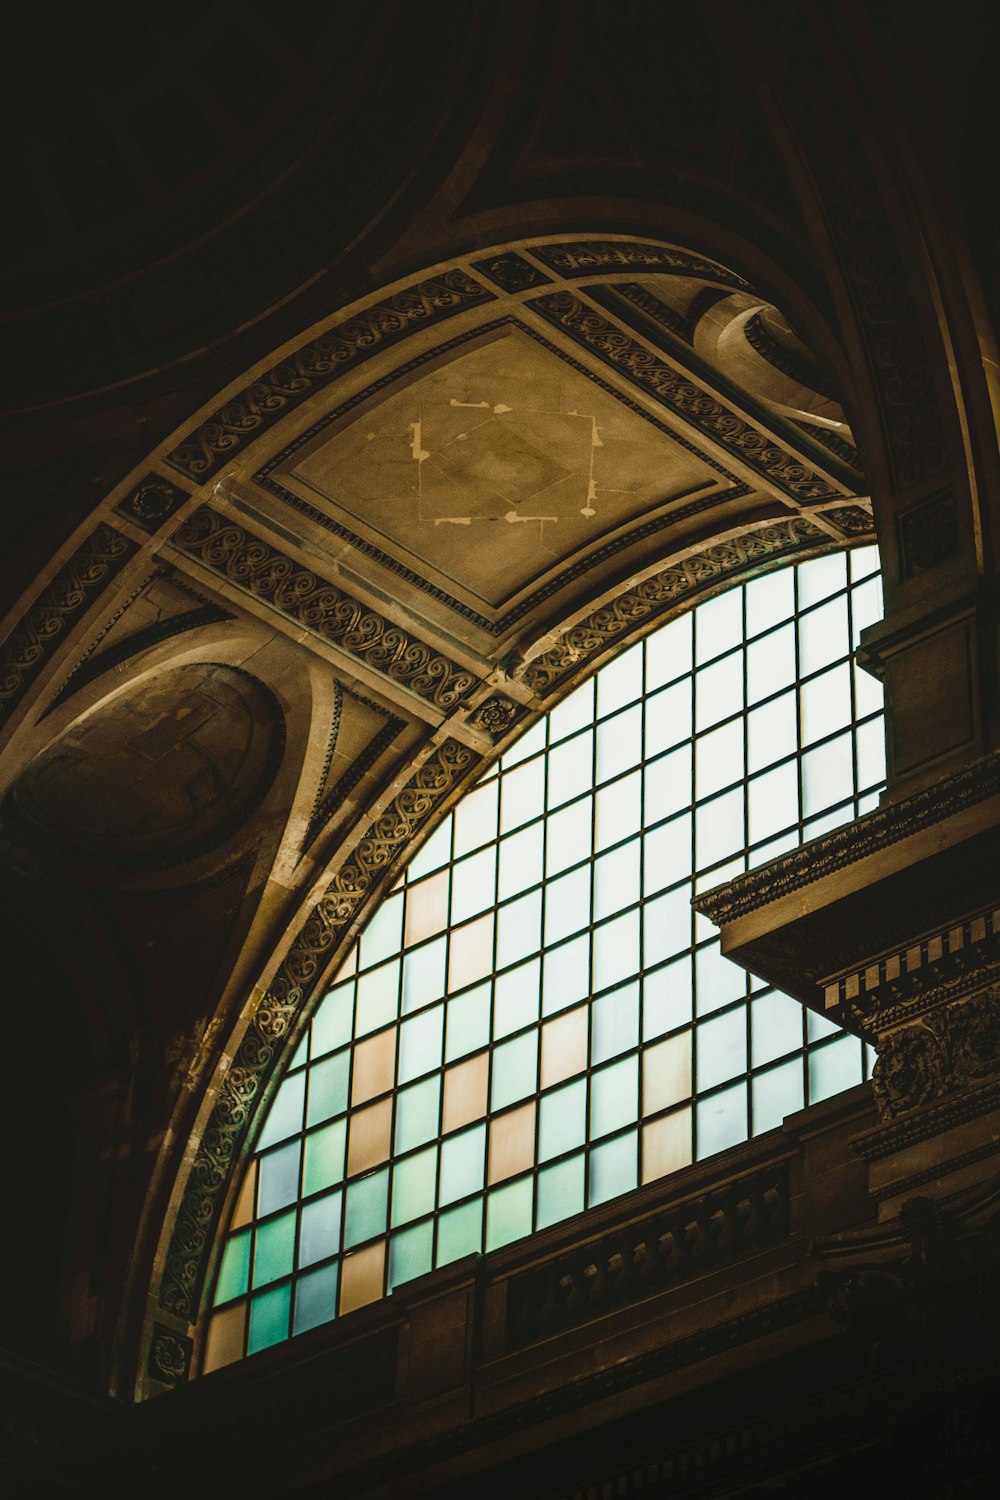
{"type": "Point", "coordinates": [379, 852]}
{"type": "Point", "coordinates": [851, 520]}
{"type": "Point", "coordinates": [93, 667]}
{"type": "Point", "coordinates": [791, 362]}
{"type": "Point", "coordinates": [152, 502]}
{"type": "Point", "coordinates": [496, 716]}
{"type": "Point", "coordinates": [956, 1047]}
{"type": "Point", "coordinates": [587, 257]}
{"type": "Point", "coordinates": [512, 272]}
{"type": "Point", "coordinates": [654, 595]}
{"type": "Point", "coordinates": [319, 361]}
{"type": "Point", "coordinates": [928, 533]}
{"type": "Point", "coordinates": [72, 590]}
{"type": "Point", "coordinates": [834, 851]}
{"type": "Point", "coordinates": [303, 596]}
{"type": "Point", "coordinates": [688, 400]}
{"type": "Point", "coordinates": [169, 1355]}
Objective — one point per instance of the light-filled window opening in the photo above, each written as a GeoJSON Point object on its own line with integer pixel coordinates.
{"type": "Point", "coordinates": [535, 1021]}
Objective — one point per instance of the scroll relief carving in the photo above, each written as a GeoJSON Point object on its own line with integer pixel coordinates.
{"type": "Point", "coordinates": [380, 850]}
{"type": "Point", "coordinates": [301, 595]}
{"type": "Point", "coordinates": [599, 629]}
{"type": "Point", "coordinates": [939, 1054]}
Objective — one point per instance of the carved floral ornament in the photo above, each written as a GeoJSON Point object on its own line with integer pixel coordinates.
{"type": "Point", "coordinates": [939, 1054]}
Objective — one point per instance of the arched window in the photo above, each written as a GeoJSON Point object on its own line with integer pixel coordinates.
{"type": "Point", "coordinates": [535, 1021]}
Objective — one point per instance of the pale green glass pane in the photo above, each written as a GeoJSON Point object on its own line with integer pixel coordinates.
{"type": "Point", "coordinates": [463, 1159]}
{"type": "Point", "coordinates": [468, 1023]}
{"type": "Point", "coordinates": [770, 600]}
{"type": "Point", "coordinates": [324, 1157]}
{"type": "Point", "coordinates": [460, 1232]}
{"type": "Point", "coordinates": [718, 625]}
{"type": "Point", "coordinates": [516, 996]}
{"type": "Point", "coordinates": [718, 758]}
{"type": "Point", "coordinates": [619, 743]}
{"type": "Point", "coordinates": [470, 955]}
{"type": "Point", "coordinates": [427, 908]}
{"type": "Point", "coordinates": [571, 768]}
{"type": "Point", "coordinates": [615, 1023]}
{"type": "Point", "coordinates": [515, 1070]}
{"type": "Point", "coordinates": [519, 929]}
{"type": "Point", "coordinates": [284, 1118]}
{"type": "Point", "coordinates": [528, 744]}
{"type": "Point", "coordinates": [826, 703]}
{"type": "Point", "coordinates": [562, 1120]}
{"type": "Point", "coordinates": [331, 1027]}
{"type": "Point", "coordinates": [423, 975]}
{"type": "Point", "coordinates": [301, 1053]}
{"type": "Point", "coordinates": [378, 998]}
{"type": "Point", "coordinates": [666, 925]}
{"type": "Point", "coordinates": [411, 1253]}
{"type": "Point", "coordinates": [234, 1274]}
{"type": "Point", "coordinates": [476, 818]}
{"type": "Point", "coordinates": [776, 1026]}
{"type": "Point", "coordinates": [274, 1249]}
{"type": "Point", "coordinates": [417, 1114]}
{"type": "Point", "coordinates": [614, 1096]}
{"type": "Point", "coordinates": [508, 1213]}
{"type": "Point", "coordinates": [667, 998]}
{"type": "Point", "coordinates": [818, 1027]}
{"type": "Point", "coordinates": [718, 691]}
{"type": "Point", "coordinates": [522, 795]}
{"type": "Point", "coordinates": [328, 1085]}
{"type": "Point", "coordinates": [835, 818]}
{"type": "Point", "coordinates": [827, 775]}
{"type": "Point", "coordinates": [620, 682]}
{"type": "Point", "coordinates": [722, 1048]}
{"type": "Point", "coordinates": [721, 1120]}
{"type": "Point", "coordinates": [823, 636]}
{"type": "Point", "coordinates": [772, 732]}
{"type": "Point", "coordinates": [316, 1297]}
{"type": "Point", "coordinates": [866, 608]}
{"type": "Point", "coordinates": [669, 785]}
{"type": "Point", "coordinates": [616, 950]}
{"type": "Point", "coordinates": [821, 577]}
{"type": "Point", "coordinates": [614, 1168]}
{"type": "Point", "coordinates": [367, 1208]}
{"type": "Point", "coordinates": [383, 935]}
{"type": "Point", "coordinates": [618, 811]}
{"type": "Point", "coordinates": [617, 879]}
{"type": "Point", "coordinates": [414, 1186]}
{"type": "Point", "coordinates": [777, 1094]}
{"type": "Point", "coordinates": [771, 664]}
{"type": "Point", "coordinates": [278, 1178]}
{"type": "Point", "coordinates": [565, 974]}
{"type": "Point", "coordinates": [833, 1067]}
{"type": "Point", "coordinates": [561, 1191]}
{"type": "Point", "coordinates": [773, 802]}
{"type": "Point", "coordinates": [521, 861]}
{"type": "Point", "coordinates": [319, 1231]}
{"type": "Point", "coordinates": [569, 836]}
{"type": "Point", "coordinates": [572, 713]}
{"type": "Point", "coordinates": [667, 855]}
{"type": "Point", "coordinates": [269, 1318]}
{"type": "Point", "coordinates": [474, 884]}
{"type": "Point", "coordinates": [668, 718]}
{"type": "Point", "coordinates": [871, 754]}
{"type": "Point", "coordinates": [669, 651]}
{"type": "Point", "coordinates": [567, 904]}
{"type": "Point", "coordinates": [718, 981]}
{"type": "Point", "coordinates": [421, 1040]}
{"type": "Point", "coordinates": [718, 829]}
{"type": "Point", "coordinates": [435, 853]}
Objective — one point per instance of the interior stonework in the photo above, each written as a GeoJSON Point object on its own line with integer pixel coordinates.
{"type": "Point", "coordinates": [314, 321]}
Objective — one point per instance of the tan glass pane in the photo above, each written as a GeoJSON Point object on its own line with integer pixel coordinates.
{"type": "Point", "coordinates": [370, 1133]}
{"type": "Point", "coordinates": [243, 1212]}
{"type": "Point", "coordinates": [564, 1046]}
{"type": "Point", "coordinates": [666, 1145]}
{"type": "Point", "coordinates": [374, 1066]}
{"type": "Point", "coordinates": [225, 1337]}
{"type": "Point", "coordinates": [426, 908]}
{"type": "Point", "coordinates": [471, 954]}
{"type": "Point", "coordinates": [666, 1073]}
{"type": "Point", "coordinates": [361, 1277]}
{"type": "Point", "coordinates": [512, 1142]}
{"type": "Point", "coordinates": [465, 1092]}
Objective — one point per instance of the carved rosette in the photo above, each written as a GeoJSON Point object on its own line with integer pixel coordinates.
{"type": "Point", "coordinates": [948, 1049]}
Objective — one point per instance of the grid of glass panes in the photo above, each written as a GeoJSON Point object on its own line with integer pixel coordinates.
{"type": "Point", "coordinates": [535, 1021]}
